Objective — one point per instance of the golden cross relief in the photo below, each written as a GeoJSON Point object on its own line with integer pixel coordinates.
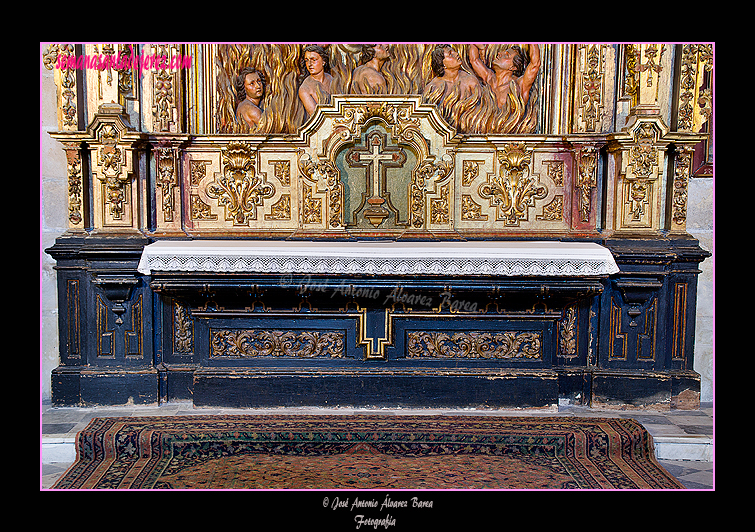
{"type": "Point", "coordinates": [376, 157]}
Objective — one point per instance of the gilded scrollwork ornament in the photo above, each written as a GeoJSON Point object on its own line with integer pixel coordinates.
{"type": "Point", "coordinates": [167, 179]}
{"type": "Point", "coordinates": [110, 161]}
{"type": "Point", "coordinates": [474, 345]}
{"type": "Point", "coordinates": [428, 172]}
{"type": "Point", "coordinates": [567, 327]}
{"type": "Point", "coordinates": [75, 185]}
{"type": "Point", "coordinates": [253, 343]}
{"type": "Point", "coordinates": [682, 170]}
{"type": "Point", "coordinates": [324, 174]}
{"type": "Point", "coordinates": [239, 189]}
{"type": "Point", "coordinates": [587, 159]}
{"type": "Point", "coordinates": [513, 190]}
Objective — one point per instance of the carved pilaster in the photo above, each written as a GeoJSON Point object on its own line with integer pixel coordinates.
{"type": "Point", "coordinates": [642, 76]}
{"type": "Point", "coordinates": [168, 153]}
{"type": "Point", "coordinates": [112, 159]}
{"type": "Point", "coordinates": [76, 204]}
{"type": "Point", "coordinates": [56, 58]}
{"type": "Point", "coordinates": [590, 89]}
{"type": "Point", "coordinates": [678, 200]}
{"type": "Point", "coordinates": [694, 87]}
{"type": "Point", "coordinates": [160, 66]}
{"type": "Point", "coordinates": [638, 165]}
{"type": "Point", "coordinates": [586, 182]}
{"type": "Point", "coordinates": [102, 78]}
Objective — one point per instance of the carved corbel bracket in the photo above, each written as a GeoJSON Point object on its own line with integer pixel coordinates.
{"type": "Point", "coordinates": [636, 292]}
{"type": "Point", "coordinates": [117, 288]}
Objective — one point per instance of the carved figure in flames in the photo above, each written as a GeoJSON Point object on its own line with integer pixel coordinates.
{"type": "Point", "coordinates": [477, 88]}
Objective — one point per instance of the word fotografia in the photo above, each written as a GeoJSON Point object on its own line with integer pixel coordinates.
{"type": "Point", "coordinates": [123, 61]}
{"type": "Point", "coordinates": [362, 520]}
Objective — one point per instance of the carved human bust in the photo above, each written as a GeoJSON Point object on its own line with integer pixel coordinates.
{"type": "Point", "coordinates": [446, 65]}
{"type": "Point", "coordinates": [250, 89]}
{"type": "Point", "coordinates": [319, 83]}
{"type": "Point", "coordinates": [367, 78]}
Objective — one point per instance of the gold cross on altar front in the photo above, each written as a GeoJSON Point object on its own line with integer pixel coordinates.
{"type": "Point", "coordinates": [376, 157]}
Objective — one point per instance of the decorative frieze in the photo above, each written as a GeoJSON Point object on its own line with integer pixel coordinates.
{"type": "Point", "coordinates": [475, 345]}
{"type": "Point", "coordinates": [253, 343]}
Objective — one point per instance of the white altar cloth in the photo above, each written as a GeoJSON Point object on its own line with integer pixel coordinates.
{"type": "Point", "coordinates": [475, 258]}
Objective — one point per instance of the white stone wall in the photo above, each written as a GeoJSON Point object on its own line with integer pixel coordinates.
{"type": "Point", "coordinates": [700, 225]}
{"type": "Point", "coordinates": [52, 220]}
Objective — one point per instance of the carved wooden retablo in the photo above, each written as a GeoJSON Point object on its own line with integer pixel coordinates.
{"type": "Point", "coordinates": [556, 143]}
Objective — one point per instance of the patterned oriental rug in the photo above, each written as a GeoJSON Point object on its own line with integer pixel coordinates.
{"type": "Point", "coordinates": [364, 452]}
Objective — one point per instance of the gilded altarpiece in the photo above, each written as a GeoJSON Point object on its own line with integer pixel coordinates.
{"type": "Point", "coordinates": [384, 143]}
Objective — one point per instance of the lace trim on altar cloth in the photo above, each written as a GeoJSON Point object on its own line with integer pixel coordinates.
{"type": "Point", "coordinates": [456, 258]}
